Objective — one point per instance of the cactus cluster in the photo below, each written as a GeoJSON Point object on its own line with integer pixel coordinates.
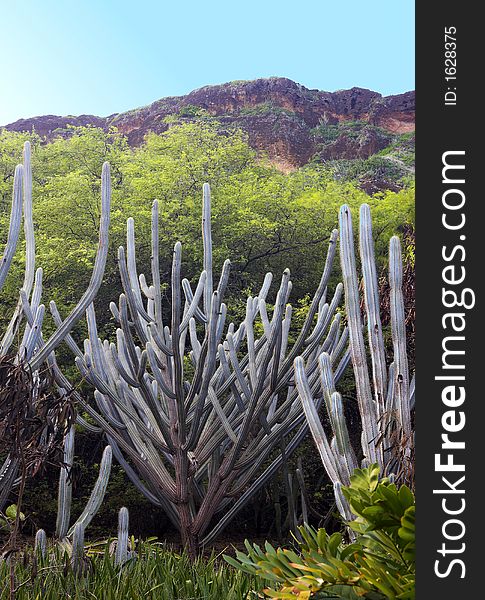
{"type": "Point", "coordinates": [198, 444]}
{"type": "Point", "coordinates": [385, 397]}
{"type": "Point", "coordinates": [195, 408]}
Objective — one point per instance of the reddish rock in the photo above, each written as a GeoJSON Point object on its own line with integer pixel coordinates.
{"type": "Point", "coordinates": [277, 114]}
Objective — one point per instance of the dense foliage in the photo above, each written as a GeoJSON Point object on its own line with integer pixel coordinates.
{"type": "Point", "coordinates": [155, 572]}
{"type": "Point", "coordinates": [378, 564]}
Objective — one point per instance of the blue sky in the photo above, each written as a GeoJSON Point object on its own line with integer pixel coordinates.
{"type": "Point", "coordinates": [106, 56]}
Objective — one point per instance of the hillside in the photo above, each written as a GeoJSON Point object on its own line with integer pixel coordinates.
{"type": "Point", "coordinates": [287, 122]}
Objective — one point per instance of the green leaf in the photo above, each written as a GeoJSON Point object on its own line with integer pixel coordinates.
{"type": "Point", "coordinates": [11, 513]}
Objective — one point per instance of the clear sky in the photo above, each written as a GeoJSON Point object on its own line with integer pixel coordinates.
{"type": "Point", "coordinates": [105, 56]}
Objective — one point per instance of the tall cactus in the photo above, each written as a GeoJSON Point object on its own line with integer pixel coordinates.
{"type": "Point", "coordinates": [200, 448]}
{"type": "Point", "coordinates": [384, 404]}
{"type": "Point", "coordinates": [26, 322]}
{"type": "Point", "coordinates": [33, 346]}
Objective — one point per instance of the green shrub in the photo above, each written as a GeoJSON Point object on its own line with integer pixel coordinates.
{"type": "Point", "coordinates": [378, 564]}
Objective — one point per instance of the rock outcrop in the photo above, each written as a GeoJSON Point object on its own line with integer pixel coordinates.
{"type": "Point", "coordinates": [282, 118]}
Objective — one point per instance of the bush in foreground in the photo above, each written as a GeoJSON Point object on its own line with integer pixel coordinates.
{"type": "Point", "coordinates": [379, 564]}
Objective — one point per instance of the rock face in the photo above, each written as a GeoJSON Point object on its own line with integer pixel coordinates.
{"type": "Point", "coordinates": [282, 118]}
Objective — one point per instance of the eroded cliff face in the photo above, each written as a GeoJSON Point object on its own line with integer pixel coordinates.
{"type": "Point", "coordinates": [283, 119]}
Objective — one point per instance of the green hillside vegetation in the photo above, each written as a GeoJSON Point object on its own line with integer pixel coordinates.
{"type": "Point", "coordinates": [262, 219]}
{"type": "Point", "coordinates": [392, 164]}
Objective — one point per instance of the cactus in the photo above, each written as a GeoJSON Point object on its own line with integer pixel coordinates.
{"type": "Point", "coordinates": [384, 406]}
{"type": "Point", "coordinates": [14, 228]}
{"type": "Point", "coordinates": [121, 554]}
{"type": "Point", "coordinates": [65, 487]}
{"type": "Point", "coordinates": [78, 563]}
{"type": "Point", "coordinates": [194, 446]}
{"type": "Point", "coordinates": [65, 490]}
{"type": "Point", "coordinates": [40, 544]}
{"type": "Point", "coordinates": [33, 346]}
{"type": "Point", "coordinates": [28, 314]}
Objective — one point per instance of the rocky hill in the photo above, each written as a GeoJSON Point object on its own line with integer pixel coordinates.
{"type": "Point", "coordinates": [288, 122]}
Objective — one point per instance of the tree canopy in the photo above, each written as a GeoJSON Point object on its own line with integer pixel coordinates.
{"type": "Point", "coordinates": [263, 219]}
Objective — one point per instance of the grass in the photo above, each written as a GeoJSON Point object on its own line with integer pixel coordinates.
{"type": "Point", "coordinates": [156, 572]}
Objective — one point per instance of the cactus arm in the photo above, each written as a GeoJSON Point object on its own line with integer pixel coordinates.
{"type": "Point", "coordinates": [224, 279]}
{"type": "Point", "coordinates": [77, 556]}
{"type": "Point", "coordinates": [342, 504]}
{"type": "Point", "coordinates": [131, 473]}
{"type": "Point", "coordinates": [222, 349]}
{"type": "Point", "coordinates": [28, 222]}
{"type": "Point", "coordinates": [157, 373]}
{"type": "Point", "coordinates": [248, 324]}
{"type": "Point", "coordinates": [28, 347]}
{"type": "Point", "coordinates": [65, 487]}
{"type": "Point", "coordinates": [131, 260]}
{"type": "Point", "coordinates": [220, 413]}
{"type": "Point", "coordinates": [138, 312]}
{"type": "Point", "coordinates": [193, 300]}
{"type": "Point", "coordinates": [398, 327]}
{"type": "Point", "coordinates": [40, 544]}
{"type": "Point", "coordinates": [97, 495]}
{"type": "Point", "coordinates": [155, 265]}
{"type": "Point", "coordinates": [364, 393]}
{"type": "Point", "coordinates": [87, 426]}
{"type": "Point", "coordinates": [342, 438]}
{"type": "Point", "coordinates": [14, 226]}
{"type": "Point", "coordinates": [96, 278]}
{"type": "Point", "coordinates": [154, 334]}
{"type": "Point", "coordinates": [316, 429]}
{"type": "Point", "coordinates": [121, 555]}
{"type": "Point", "coordinates": [34, 303]}
{"type": "Point", "coordinates": [341, 345]}
{"type": "Point", "coordinates": [107, 411]}
{"type": "Point", "coordinates": [342, 365]}
{"type": "Point", "coordinates": [190, 297]}
{"type": "Point", "coordinates": [178, 376]}
{"type": "Point", "coordinates": [372, 304]}
{"type": "Point", "coordinates": [303, 492]}
{"type": "Point", "coordinates": [207, 241]}
{"type": "Point", "coordinates": [237, 368]}
{"type": "Point", "coordinates": [118, 365]}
